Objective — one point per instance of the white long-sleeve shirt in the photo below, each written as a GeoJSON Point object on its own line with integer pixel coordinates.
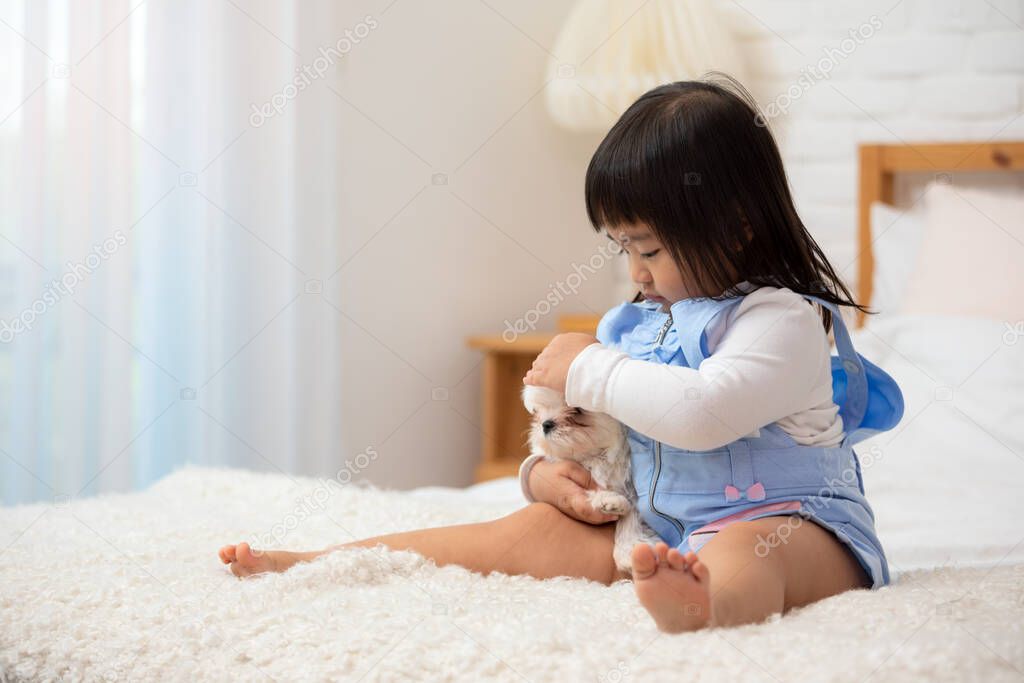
{"type": "Point", "coordinates": [769, 361]}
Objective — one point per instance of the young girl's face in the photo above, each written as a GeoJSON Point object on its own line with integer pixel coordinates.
{"type": "Point", "coordinates": [650, 265]}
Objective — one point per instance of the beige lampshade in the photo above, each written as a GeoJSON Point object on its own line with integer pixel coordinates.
{"type": "Point", "coordinates": [610, 52]}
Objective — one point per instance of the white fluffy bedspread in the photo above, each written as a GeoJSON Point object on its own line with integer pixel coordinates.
{"type": "Point", "coordinates": [129, 587]}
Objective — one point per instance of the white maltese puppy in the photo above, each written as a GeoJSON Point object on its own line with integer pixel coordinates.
{"type": "Point", "coordinates": [598, 442]}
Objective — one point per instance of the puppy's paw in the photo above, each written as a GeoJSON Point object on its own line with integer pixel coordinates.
{"type": "Point", "coordinates": [609, 502]}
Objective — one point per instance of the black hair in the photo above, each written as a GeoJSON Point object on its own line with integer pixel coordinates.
{"type": "Point", "coordinates": [696, 162]}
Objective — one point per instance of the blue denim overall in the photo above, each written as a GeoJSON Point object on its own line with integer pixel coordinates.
{"type": "Point", "coordinates": [682, 491]}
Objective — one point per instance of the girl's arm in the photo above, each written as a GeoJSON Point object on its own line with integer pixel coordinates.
{"type": "Point", "coordinates": [772, 361]}
{"type": "Point", "coordinates": [525, 468]}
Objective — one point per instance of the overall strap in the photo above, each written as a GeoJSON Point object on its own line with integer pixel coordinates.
{"type": "Point", "coordinates": [855, 403]}
{"type": "Point", "coordinates": [692, 329]}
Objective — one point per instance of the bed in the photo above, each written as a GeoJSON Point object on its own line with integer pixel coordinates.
{"type": "Point", "coordinates": [129, 587]}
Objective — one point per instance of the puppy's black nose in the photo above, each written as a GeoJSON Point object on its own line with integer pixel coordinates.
{"type": "Point", "coordinates": [547, 425]}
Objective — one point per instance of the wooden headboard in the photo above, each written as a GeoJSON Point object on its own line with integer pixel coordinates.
{"type": "Point", "coordinates": [879, 163]}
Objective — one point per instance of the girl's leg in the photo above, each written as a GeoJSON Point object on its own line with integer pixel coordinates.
{"type": "Point", "coordinates": [736, 578]}
{"type": "Point", "coordinates": [538, 540]}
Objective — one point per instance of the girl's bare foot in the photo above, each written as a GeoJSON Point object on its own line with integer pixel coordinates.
{"type": "Point", "coordinates": [672, 586]}
{"type": "Point", "coordinates": [245, 561]}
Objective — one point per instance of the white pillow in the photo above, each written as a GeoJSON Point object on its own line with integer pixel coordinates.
{"type": "Point", "coordinates": [971, 255]}
{"type": "Point", "coordinates": [896, 236]}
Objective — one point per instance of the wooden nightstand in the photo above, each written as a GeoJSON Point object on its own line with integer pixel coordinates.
{"type": "Point", "coordinates": [505, 421]}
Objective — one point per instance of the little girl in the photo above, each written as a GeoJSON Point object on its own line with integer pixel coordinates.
{"type": "Point", "coordinates": [741, 424]}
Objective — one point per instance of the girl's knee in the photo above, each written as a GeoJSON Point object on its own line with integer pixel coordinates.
{"type": "Point", "coordinates": [759, 540]}
{"type": "Point", "coordinates": [545, 542]}
{"type": "Point", "coordinates": [534, 514]}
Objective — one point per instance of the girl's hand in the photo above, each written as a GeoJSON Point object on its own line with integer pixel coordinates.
{"type": "Point", "coordinates": [564, 484]}
{"type": "Point", "coordinates": [551, 367]}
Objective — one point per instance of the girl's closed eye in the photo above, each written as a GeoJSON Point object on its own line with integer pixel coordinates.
{"type": "Point", "coordinates": [650, 254]}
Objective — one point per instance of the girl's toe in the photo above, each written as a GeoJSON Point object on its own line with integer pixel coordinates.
{"type": "Point", "coordinates": [644, 561]}
{"type": "Point", "coordinates": [662, 551]}
{"type": "Point", "coordinates": [676, 560]}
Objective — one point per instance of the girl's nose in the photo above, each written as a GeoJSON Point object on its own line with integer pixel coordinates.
{"type": "Point", "coordinates": [640, 275]}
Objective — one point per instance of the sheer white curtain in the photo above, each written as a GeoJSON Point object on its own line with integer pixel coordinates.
{"type": "Point", "coordinates": [161, 247]}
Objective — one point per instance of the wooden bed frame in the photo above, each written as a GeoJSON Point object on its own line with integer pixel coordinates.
{"type": "Point", "coordinates": [879, 163]}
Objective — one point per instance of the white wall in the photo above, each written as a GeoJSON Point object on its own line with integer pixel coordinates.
{"type": "Point", "coordinates": [451, 89]}
{"type": "Point", "coordinates": [454, 89]}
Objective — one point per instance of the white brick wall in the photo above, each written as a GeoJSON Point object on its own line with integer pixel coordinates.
{"type": "Point", "coordinates": [934, 70]}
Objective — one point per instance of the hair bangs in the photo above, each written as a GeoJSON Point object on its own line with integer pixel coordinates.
{"type": "Point", "coordinates": [625, 180]}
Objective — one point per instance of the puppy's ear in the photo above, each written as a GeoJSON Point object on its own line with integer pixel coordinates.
{"type": "Point", "coordinates": [529, 397]}
{"type": "Point", "coordinates": [535, 397]}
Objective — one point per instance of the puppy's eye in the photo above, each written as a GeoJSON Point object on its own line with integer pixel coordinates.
{"type": "Point", "coordinates": [577, 411]}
